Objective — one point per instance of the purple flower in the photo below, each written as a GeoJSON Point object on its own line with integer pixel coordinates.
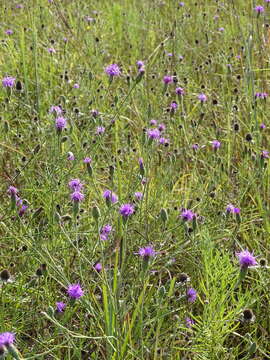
{"type": "Point", "coordinates": [57, 109]}
{"type": "Point", "coordinates": [195, 147]}
{"type": "Point", "coordinates": [51, 50]}
{"type": "Point", "coordinates": [110, 196]}
{"type": "Point", "coordinates": [215, 144]}
{"type": "Point", "coordinates": [246, 259]}
{"type": "Point", "coordinates": [202, 98]}
{"type": "Point", "coordinates": [75, 184]}
{"type": "Point", "coordinates": [191, 295]}
{"type": "Point", "coordinates": [112, 70]}
{"type": "Point", "coordinates": [161, 127]}
{"type": "Point", "coordinates": [138, 195]}
{"type": "Point", "coordinates": [98, 267]}
{"type": "Point", "coordinates": [75, 291]}
{"type": "Point", "coordinates": [230, 209]}
{"type": "Point", "coordinates": [87, 160]}
{"type": "Point", "coordinates": [265, 154]}
{"type": "Point", "coordinates": [167, 79]}
{"type": "Point", "coordinates": [153, 133]}
{"type": "Point", "coordinates": [181, 4]}
{"type": "Point", "coordinates": [173, 106]}
{"type": "Point", "coordinates": [7, 338]}
{"type": "Point", "coordinates": [12, 190]}
{"type": "Point", "coordinates": [95, 113]}
{"type": "Point", "coordinates": [71, 156]}
{"type": "Point", "coordinates": [60, 123]}
{"type": "Point", "coordinates": [60, 306]}
{"type": "Point", "coordinates": [221, 29]}
{"type": "Point", "coordinates": [259, 9]}
{"type": "Point", "coordinates": [147, 252]}
{"type": "Point", "coordinates": [76, 86]}
{"type": "Point", "coordinates": [140, 64]}
{"type": "Point", "coordinates": [76, 196]}
{"type": "Point", "coordinates": [126, 210]}
{"type": "Point", "coordinates": [9, 32]}
{"type": "Point", "coordinates": [105, 232]}
{"type": "Point", "coordinates": [180, 91]}
{"type": "Point", "coordinates": [187, 215]}
{"type": "Point", "coordinates": [260, 95]}
{"type": "Point", "coordinates": [262, 126]}
{"type": "Point", "coordinates": [153, 122]}
{"type": "Point", "coordinates": [8, 81]}
{"type": "Point", "coordinates": [22, 210]}
{"type": "Point", "coordinates": [189, 322]}
{"type": "Point", "coordinates": [100, 130]}
{"type": "Point", "coordinates": [164, 141]}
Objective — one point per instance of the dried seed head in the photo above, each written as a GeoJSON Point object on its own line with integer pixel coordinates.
{"type": "Point", "coordinates": [5, 275]}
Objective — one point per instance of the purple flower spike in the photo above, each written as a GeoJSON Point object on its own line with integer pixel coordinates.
{"type": "Point", "coordinates": [167, 79]}
{"type": "Point", "coordinates": [60, 306]}
{"type": "Point", "coordinates": [110, 196]}
{"type": "Point", "coordinates": [147, 252]}
{"type": "Point", "coordinates": [75, 291]}
{"type": "Point", "coordinates": [215, 144]}
{"type": "Point", "coordinates": [140, 64]}
{"type": "Point", "coordinates": [191, 295]}
{"type": "Point", "coordinates": [60, 123]}
{"type": "Point", "coordinates": [7, 339]}
{"type": "Point", "coordinates": [8, 81]}
{"type": "Point", "coordinates": [75, 184]}
{"type": "Point", "coordinates": [187, 215]}
{"type": "Point", "coordinates": [100, 130]}
{"type": "Point", "coordinates": [179, 91]}
{"type": "Point", "coordinates": [202, 98]}
{"type": "Point", "coordinates": [259, 9]}
{"type": "Point", "coordinates": [126, 210]}
{"type": "Point", "coordinates": [76, 196]}
{"type": "Point", "coordinates": [246, 259]}
{"type": "Point", "coordinates": [113, 70]}
{"type": "Point", "coordinates": [153, 133]}
{"type": "Point", "coordinates": [12, 190]}
{"type": "Point", "coordinates": [98, 267]}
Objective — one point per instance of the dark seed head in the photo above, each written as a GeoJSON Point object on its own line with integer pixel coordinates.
{"type": "Point", "coordinates": [248, 314]}
{"type": "Point", "coordinates": [183, 277]}
{"type": "Point", "coordinates": [5, 275]}
{"type": "Point", "coordinates": [248, 137]}
{"type": "Point", "coordinates": [263, 262]}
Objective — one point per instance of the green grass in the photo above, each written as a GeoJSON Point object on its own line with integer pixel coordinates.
{"type": "Point", "coordinates": [133, 309]}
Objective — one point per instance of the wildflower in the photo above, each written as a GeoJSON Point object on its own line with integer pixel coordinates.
{"type": "Point", "coordinates": [13, 191]}
{"type": "Point", "coordinates": [60, 123]}
{"type": "Point", "coordinates": [259, 9]}
{"type": "Point", "coordinates": [181, 4]}
{"type": "Point", "coordinates": [22, 210]}
{"type": "Point", "coordinates": [138, 195]}
{"type": "Point", "coordinates": [189, 322]}
{"type": "Point", "coordinates": [164, 141]}
{"type": "Point", "coordinates": [126, 210]}
{"type": "Point", "coordinates": [215, 144]}
{"type": "Point", "coordinates": [100, 130]}
{"type": "Point", "coordinates": [153, 122]}
{"type": "Point", "coordinates": [95, 113]}
{"type": "Point", "coordinates": [105, 232]}
{"type": "Point", "coordinates": [71, 156]}
{"type": "Point", "coordinates": [57, 109]}
{"type": "Point", "coordinates": [140, 64]}
{"type": "Point", "coordinates": [9, 32]}
{"type": "Point", "coordinates": [98, 267]}
{"type": "Point", "coordinates": [262, 126]}
{"type": "Point", "coordinates": [161, 127]}
{"type": "Point", "coordinates": [75, 291]}
{"type": "Point", "coordinates": [173, 106]}
{"type": "Point", "coordinates": [8, 81]}
{"type": "Point", "coordinates": [51, 50]}
{"type": "Point", "coordinates": [221, 29]}
{"type": "Point", "coordinates": [7, 339]}
{"type": "Point", "coordinates": [260, 95]}
{"type": "Point", "coordinates": [113, 70]}
{"type": "Point", "coordinates": [147, 252]}
{"type": "Point", "coordinates": [75, 184]}
{"type": "Point", "coordinates": [87, 160]}
{"type": "Point", "coordinates": [202, 98]}
{"type": "Point", "coordinates": [153, 133]}
{"type": "Point", "coordinates": [230, 209]}
{"type": "Point", "coordinates": [110, 197]}
{"type": "Point", "coordinates": [77, 196]}
{"type": "Point", "coordinates": [246, 259]}
{"type": "Point", "coordinates": [76, 86]}
{"type": "Point", "coordinates": [60, 306]}
{"type": "Point", "coordinates": [167, 79]}
{"type": "Point", "coordinates": [187, 215]}
{"type": "Point", "coordinates": [195, 147]}
{"type": "Point", "coordinates": [180, 91]}
{"type": "Point", "coordinates": [191, 295]}
{"type": "Point", "coordinates": [265, 154]}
